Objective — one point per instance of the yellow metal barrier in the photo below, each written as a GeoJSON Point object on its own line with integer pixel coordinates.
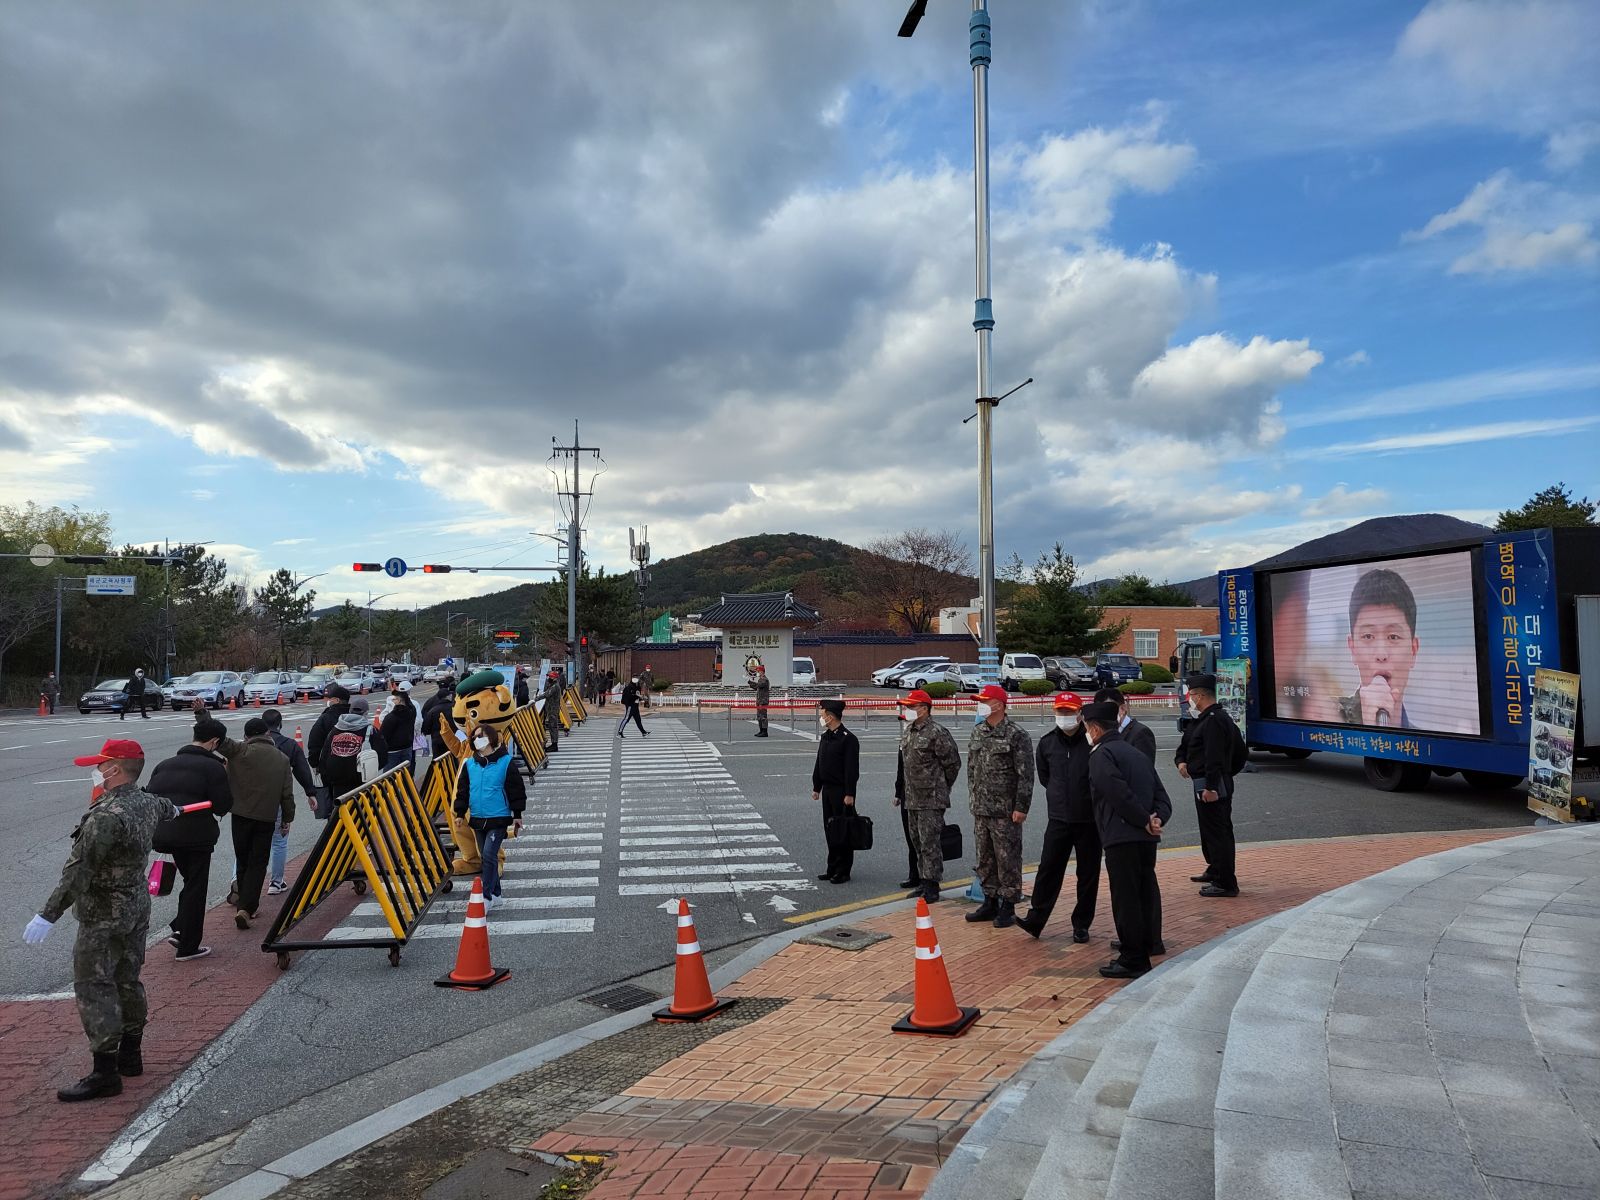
{"type": "Point", "coordinates": [527, 732]}
{"type": "Point", "coordinates": [572, 704]}
{"type": "Point", "coordinates": [439, 786]}
{"type": "Point", "coordinates": [380, 835]}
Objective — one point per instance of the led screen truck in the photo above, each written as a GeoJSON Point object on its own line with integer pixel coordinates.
{"type": "Point", "coordinates": [1419, 661]}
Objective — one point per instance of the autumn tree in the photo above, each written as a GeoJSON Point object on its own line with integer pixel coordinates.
{"type": "Point", "coordinates": [910, 576]}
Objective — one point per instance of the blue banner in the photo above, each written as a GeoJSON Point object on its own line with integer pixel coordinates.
{"type": "Point", "coordinates": [1521, 634]}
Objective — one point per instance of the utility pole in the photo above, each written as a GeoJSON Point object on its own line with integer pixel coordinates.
{"type": "Point", "coordinates": [639, 552]}
{"type": "Point", "coordinates": [574, 493]}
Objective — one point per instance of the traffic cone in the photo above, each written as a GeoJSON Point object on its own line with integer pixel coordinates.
{"type": "Point", "coordinates": [298, 740]}
{"type": "Point", "coordinates": [44, 706]}
{"type": "Point", "coordinates": [691, 992]}
{"type": "Point", "coordinates": [472, 971]}
{"type": "Point", "coordinates": [233, 703]}
{"type": "Point", "coordinates": [934, 1009]}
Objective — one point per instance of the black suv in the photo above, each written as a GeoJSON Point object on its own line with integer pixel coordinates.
{"type": "Point", "coordinates": [1113, 669]}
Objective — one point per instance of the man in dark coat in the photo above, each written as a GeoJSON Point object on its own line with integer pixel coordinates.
{"type": "Point", "coordinates": [300, 769]}
{"type": "Point", "coordinates": [519, 692]}
{"type": "Point", "coordinates": [1130, 809]}
{"type": "Point", "coordinates": [833, 781]}
{"type": "Point", "coordinates": [630, 708]}
{"type": "Point", "coordinates": [1205, 758]}
{"type": "Point", "coordinates": [335, 704]}
{"type": "Point", "coordinates": [441, 703]}
{"type": "Point", "coordinates": [1062, 759]}
{"type": "Point", "coordinates": [192, 775]}
{"type": "Point", "coordinates": [136, 695]}
{"type": "Point", "coordinates": [1143, 739]}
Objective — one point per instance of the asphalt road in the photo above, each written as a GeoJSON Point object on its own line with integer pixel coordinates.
{"type": "Point", "coordinates": [616, 829]}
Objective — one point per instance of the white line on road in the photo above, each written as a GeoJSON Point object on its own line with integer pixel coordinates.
{"type": "Point", "coordinates": [706, 869]}
{"type": "Point", "coordinates": [34, 996]}
{"type": "Point", "coordinates": [700, 841]}
{"type": "Point", "coordinates": [541, 925]}
{"type": "Point", "coordinates": [718, 887]}
{"type": "Point", "coordinates": [705, 852]}
{"type": "Point", "coordinates": [687, 829]}
{"type": "Point", "coordinates": [573, 864]}
{"type": "Point", "coordinates": [560, 882]}
{"type": "Point", "coordinates": [460, 906]}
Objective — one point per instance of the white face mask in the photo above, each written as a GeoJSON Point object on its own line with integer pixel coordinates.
{"type": "Point", "coordinates": [908, 714]}
{"type": "Point", "coordinates": [983, 712]}
{"type": "Point", "coordinates": [482, 743]}
{"type": "Point", "coordinates": [98, 777]}
{"type": "Point", "coordinates": [1066, 724]}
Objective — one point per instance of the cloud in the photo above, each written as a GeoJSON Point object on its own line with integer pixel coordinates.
{"type": "Point", "coordinates": [1213, 385]}
{"type": "Point", "coordinates": [1526, 226]}
{"type": "Point", "coordinates": [1567, 148]}
{"type": "Point", "coordinates": [1356, 358]}
{"type": "Point", "coordinates": [1342, 501]}
{"type": "Point", "coordinates": [1513, 383]}
{"type": "Point", "coordinates": [298, 541]}
{"type": "Point", "coordinates": [1462, 436]}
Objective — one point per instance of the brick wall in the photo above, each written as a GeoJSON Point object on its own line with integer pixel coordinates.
{"type": "Point", "coordinates": [1164, 621]}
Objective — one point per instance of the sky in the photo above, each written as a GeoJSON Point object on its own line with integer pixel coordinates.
{"type": "Point", "coordinates": [321, 282]}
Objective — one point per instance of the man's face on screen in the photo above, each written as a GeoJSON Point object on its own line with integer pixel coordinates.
{"type": "Point", "coordinates": [1382, 645]}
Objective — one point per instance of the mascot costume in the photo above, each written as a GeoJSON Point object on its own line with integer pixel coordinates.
{"type": "Point", "coordinates": [481, 699]}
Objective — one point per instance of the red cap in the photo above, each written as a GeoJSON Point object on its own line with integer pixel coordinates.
{"type": "Point", "coordinates": [917, 697]}
{"type": "Point", "coordinates": [993, 691]}
{"type": "Point", "coordinates": [114, 748]}
{"type": "Point", "coordinates": [1068, 700]}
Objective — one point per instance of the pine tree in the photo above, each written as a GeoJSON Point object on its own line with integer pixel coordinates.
{"type": "Point", "coordinates": [1051, 616]}
{"type": "Point", "coordinates": [1553, 507]}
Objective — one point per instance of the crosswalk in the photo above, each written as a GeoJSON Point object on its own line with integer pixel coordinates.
{"type": "Point", "coordinates": [613, 824]}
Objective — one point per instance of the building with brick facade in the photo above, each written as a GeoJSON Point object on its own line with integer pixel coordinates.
{"type": "Point", "coordinates": [1154, 630]}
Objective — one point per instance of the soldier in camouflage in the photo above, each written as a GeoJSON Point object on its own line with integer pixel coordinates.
{"type": "Point", "coordinates": [1000, 789]}
{"type": "Point", "coordinates": [104, 884]}
{"type": "Point", "coordinates": [929, 764]}
{"type": "Point", "coordinates": [552, 709]}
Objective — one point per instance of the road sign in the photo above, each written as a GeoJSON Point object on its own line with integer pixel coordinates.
{"type": "Point", "coordinates": [109, 585]}
{"type": "Point", "coordinates": [447, 661]}
{"type": "Point", "coordinates": [505, 645]}
{"type": "Point", "coordinates": [43, 555]}
{"type": "Point", "coordinates": [395, 568]}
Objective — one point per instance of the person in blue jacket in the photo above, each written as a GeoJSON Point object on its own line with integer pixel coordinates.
{"type": "Point", "coordinates": [492, 791]}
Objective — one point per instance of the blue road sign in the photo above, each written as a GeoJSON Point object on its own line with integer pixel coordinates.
{"type": "Point", "coordinates": [395, 568]}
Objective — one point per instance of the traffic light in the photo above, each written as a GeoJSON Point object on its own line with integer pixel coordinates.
{"type": "Point", "coordinates": [584, 641]}
{"type": "Point", "coordinates": [366, 566]}
{"type": "Point", "coordinates": [85, 559]}
{"type": "Point", "coordinates": [435, 568]}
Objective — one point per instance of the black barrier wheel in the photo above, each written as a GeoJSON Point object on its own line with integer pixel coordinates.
{"type": "Point", "coordinates": [360, 885]}
{"type": "Point", "coordinates": [394, 956]}
{"type": "Point", "coordinates": [283, 960]}
{"type": "Point", "coordinates": [449, 886]}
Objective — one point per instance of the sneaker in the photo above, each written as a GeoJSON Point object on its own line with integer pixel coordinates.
{"type": "Point", "coordinates": [172, 941]}
{"type": "Point", "coordinates": [200, 952]}
{"type": "Point", "coordinates": [277, 888]}
{"type": "Point", "coordinates": [241, 919]}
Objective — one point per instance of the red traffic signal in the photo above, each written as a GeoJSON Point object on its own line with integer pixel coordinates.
{"type": "Point", "coordinates": [366, 566]}
{"type": "Point", "coordinates": [584, 641]}
{"type": "Point", "coordinates": [435, 568]}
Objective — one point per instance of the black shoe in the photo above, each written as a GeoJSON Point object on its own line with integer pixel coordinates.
{"type": "Point", "coordinates": [985, 911]}
{"type": "Point", "coordinates": [102, 1081]}
{"type": "Point", "coordinates": [1030, 925]}
{"type": "Point", "coordinates": [1006, 917]}
{"type": "Point", "coordinates": [1117, 970]}
{"type": "Point", "coordinates": [1080, 936]}
{"type": "Point", "coordinates": [1203, 877]}
{"type": "Point", "coordinates": [1212, 890]}
{"type": "Point", "coordinates": [825, 877]}
{"type": "Point", "coordinates": [840, 879]}
{"type": "Point", "coordinates": [130, 1059]}
{"type": "Point", "coordinates": [763, 733]}
{"type": "Point", "coordinates": [1158, 949]}
{"type": "Point", "coordinates": [915, 884]}
{"type": "Point", "coordinates": [932, 894]}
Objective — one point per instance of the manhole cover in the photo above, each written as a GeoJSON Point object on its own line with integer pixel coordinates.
{"type": "Point", "coordinates": [845, 937]}
{"type": "Point", "coordinates": [622, 997]}
{"type": "Point", "coordinates": [494, 1175]}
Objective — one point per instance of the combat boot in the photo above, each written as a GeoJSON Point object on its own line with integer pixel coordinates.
{"type": "Point", "coordinates": [985, 911]}
{"type": "Point", "coordinates": [130, 1057]}
{"type": "Point", "coordinates": [1007, 916]}
{"type": "Point", "coordinates": [102, 1081]}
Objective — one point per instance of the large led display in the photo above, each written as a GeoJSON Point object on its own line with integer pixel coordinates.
{"type": "Point", "coordinates": [1378, 644]}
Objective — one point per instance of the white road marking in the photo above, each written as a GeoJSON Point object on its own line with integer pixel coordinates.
{"type": "Point", "coordinates": [700, 841]}
{"type": "Point", "coordinates": [576, 864]}
{"type": "Point", "coordinates": [720, 887]}
{"type": "Point", "coordinates": [705, 852]}
{"type": "Point", "coordinates": [706, 869]}
{"type": "Point", "coordinates": [36, 996]}
{"type": "Point", "coordinates": [346, 933]}
{"type": "Point", "coordinates": [508, 882]}
{"type": "Point", "coordinates": [460, 906]}
{"type": "Point", "coordinates": [700, 828]}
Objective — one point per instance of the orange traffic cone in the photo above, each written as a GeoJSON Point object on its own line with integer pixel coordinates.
{"type": "Point", "coordinates": [44, 707]}
{"type": "Point", "coordinates": [691, 992]}
{"type": "Point", "coordinates": [298, 740]}
{"type": "Point", "coordinates": [233, 702]}
{"type": "Point", "coordinates": [934, 1010]}
{"type": "Point", "coordinates": [473, 971]}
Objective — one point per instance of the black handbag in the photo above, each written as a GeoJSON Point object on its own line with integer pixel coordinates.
{"type": "Point", "coordinates": [950, 842]}
{"type": "Point", "coordinates": [850, 832]}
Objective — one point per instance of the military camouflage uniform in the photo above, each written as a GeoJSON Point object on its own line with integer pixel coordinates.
{"type": "Point", "coordinates": [763, 694]}
{"type": "Point", "coordinates": [999, 783]}
{"type": "Point", "coordinates": [929, 764]}
{"type": "Point", "coordinates": [552, 710]}
{"type": "Point", "coordinates": [104, 884]}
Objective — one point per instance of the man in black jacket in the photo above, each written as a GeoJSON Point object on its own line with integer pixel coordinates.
{"type": "Point", "coordinates": [1143, 739]}
{"type": "Point", "coordinates": [300, 768]}
{"type": "Point", "coordinates": [1205, 758]}
{"type": "Point", "coordinates": [335, 704]}
{"type": "Point", "coordinates": [341, 756]}
{"type": "Point", "coordinates": [136, 694]}
{"type": "Point", "coordinates": [192, 775]}
{"type": "Point", "coordinates": [441, 703]}
{"type": "Point", "coordinates": [630, 708]}
{"type": "Point", "coordinates": [833, 781]}
{"type": "Point", "coordinates": [1062, 760]}
{"type": "Point", "coordinates": [1130, 808]}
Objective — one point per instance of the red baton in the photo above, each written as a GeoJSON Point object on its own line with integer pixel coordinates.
{"type": "Point", "coordinates": [203, 806]}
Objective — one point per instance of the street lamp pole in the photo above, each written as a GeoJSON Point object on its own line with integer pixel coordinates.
{"type": "Point", "coordinates": [371, 600]}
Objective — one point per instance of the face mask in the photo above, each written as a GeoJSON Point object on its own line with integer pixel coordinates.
{"type": "Point", "coordinates": [1066, 724]}
{"type": "Point", "coordinates": [983, 712]}
{"type": "Point", "coordinates": [481, 743]}
{"type": "Point", "coordinates": [97, 777]}
{"type": "Point", "coordinates": [823, 722]}
{"type": "Point", "coordinates": [908, 714]}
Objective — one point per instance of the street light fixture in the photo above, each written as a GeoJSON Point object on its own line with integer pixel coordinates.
{"type": "Point", "coordinates": [371, 600]}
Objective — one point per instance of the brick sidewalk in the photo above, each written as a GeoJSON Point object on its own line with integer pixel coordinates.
{"type": "Point", "coordinates": [820, 1101]}
{"type": "Point", "coordinates": [44, 1143]}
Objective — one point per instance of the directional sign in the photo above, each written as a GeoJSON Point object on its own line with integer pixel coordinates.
{"type": "Point", "coordinates": [109, 585]}
{"type": "Point", "coordinates": [505, 645]}
{"type": "Point", "coordinates": [395, 568]}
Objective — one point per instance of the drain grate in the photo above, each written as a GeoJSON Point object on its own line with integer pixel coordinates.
{"type": "Point", "coordinates": [846, 937]}
{"type": "Point", "coordinates": [622, 997]}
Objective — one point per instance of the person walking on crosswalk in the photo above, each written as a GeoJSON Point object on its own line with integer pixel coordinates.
{"type": "Point", "coordinates": [136, 693]}
{"type": "Point", "coordinates": [630, 709]}
{"type": "Point", "coordinates": [495, 797]}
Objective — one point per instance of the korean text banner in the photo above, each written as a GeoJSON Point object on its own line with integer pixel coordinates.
{"type": "Point", "coordinates": [1521, 629]}
{"type": "Point", "coordinates": [1386, 644]}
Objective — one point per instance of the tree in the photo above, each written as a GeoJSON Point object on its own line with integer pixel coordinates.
{"type": "Point", "coordinates": [284, 609]}
{"type": "Point", "coordinates": [1051, 616]}
{"type": "Point", "coordinates": [1138, 590]}
{"type": "Point", "coordinates": [910, 576]}
{"type": "Point", "coordinates": [608, 608]}
{"type": "Point", "coordinates": [1552, 507]}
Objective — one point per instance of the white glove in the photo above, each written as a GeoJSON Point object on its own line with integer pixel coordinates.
{"type": "Point", "coordinates": [38, 929]}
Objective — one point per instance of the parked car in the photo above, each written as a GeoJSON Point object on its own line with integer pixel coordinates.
{"type": "Point", "coordinates": [922, 676]}
{"type": "Point", "coordinates": [803, 672]}
{"type": "Point", "coordinates": [1069, 673]}
{"type": "Point", "coordinates": [357, 682]}
{"type": "Point", "coordinates": [109, 695]}
{"type": "Point", "coordinates": [311, 685]}
{"type": "Point", "coordinates": [217, 688]}
{"type": "Point", "coordinates": [432, 674]}
{"type": "Point", "coordinates": [1112, 669]}
{"type": "Point", "coordinates": [968, 677]}
{"type": "Point", "coordinates": [1014, 668]}
{"type": "Point", "coordinates": [891, 676]}
{"type": "Point", "coordinates": [270, 687]}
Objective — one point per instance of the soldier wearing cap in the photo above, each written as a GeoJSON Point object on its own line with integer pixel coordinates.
{"type": "Point", "coordinates": [1130, 808]}
{"type": "Point", "coordinates": [929, 763]}
{"type": "Point", "coordinates": [1063, 761]}
{"type": "Point", "coordinates": [999, 791]}
{"type": "Point", "coordinates": [104, 884]}
{"type": "Point", "coordinates": [833, 781]}
{"type": "Point", "coordinates": [759, 681]}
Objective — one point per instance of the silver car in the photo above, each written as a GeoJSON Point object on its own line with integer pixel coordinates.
{"type": "Point", "coordinates": [270, 687]}
{"type": "Point", "coordinates": [218, 689]}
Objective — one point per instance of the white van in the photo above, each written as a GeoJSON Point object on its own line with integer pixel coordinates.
{"type": "Point", "coordinates": [803, 672]}
{"type": "Point", "coordinates": [1014, 668]}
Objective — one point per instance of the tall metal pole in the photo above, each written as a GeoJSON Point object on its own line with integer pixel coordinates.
{"type": "Point", "coordinates": [58, 631]}
{"type": "Point", "coordinates": [983, 325]}
{"type": "Point", "coordinates": [574, 547]}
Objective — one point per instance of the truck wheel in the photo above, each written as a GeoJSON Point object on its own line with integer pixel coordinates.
{"type": "Point", "coordinates": [1490, 781]}
{"type": "Point", "coordinates": [1297, 752]}
{"type": "Point", "coordinates": [1389, 776]}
